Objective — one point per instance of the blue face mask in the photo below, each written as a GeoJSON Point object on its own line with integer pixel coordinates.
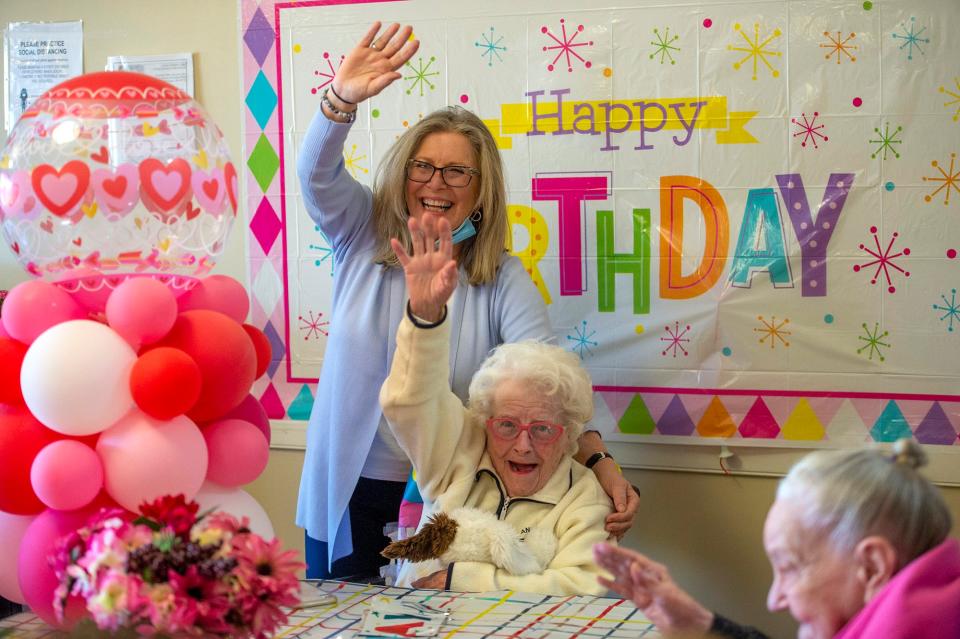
{"type": "Point", "coordinates": [465, 231]}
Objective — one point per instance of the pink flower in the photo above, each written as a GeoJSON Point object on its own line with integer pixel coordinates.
{"type": "Point", "coordinates": [201, 600]}
{"type": "Point", "coordinates": [268, 578]}
{"type": "Point", "coordinates": [172, 511]}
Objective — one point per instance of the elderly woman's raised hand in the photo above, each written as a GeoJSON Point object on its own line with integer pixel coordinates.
{"type": "Point", "coordinates": [431, 271]}
{"type": "Point", "coordinates": [372, 65]}
{"type": "Point", "coordinates": [649, 585]}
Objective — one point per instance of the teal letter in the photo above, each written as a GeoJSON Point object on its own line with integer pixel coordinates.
{"type": "Point", "coordinates": [636, 263]}
{"type": "Point", "coordinates": [761, 245]}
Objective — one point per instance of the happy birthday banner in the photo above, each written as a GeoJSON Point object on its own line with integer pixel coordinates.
{"type": "Point", "coordinates": [744, 218]}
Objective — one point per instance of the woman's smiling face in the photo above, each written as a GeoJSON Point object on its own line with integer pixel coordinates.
{"type": "Point", "coordinates": [443, 149]}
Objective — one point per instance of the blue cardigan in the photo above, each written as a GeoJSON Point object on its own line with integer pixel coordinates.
{"type": "Point", "coordinates": [368, 304]}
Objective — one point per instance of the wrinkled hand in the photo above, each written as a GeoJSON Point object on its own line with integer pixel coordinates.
{"type": "Point", "coordinates": [366, 71]}
{"type": "Point", "coordinates": [431, 271]}
{"type": "Point", "coordinates": [621, 493]}
{"type": "Point", "coordinates": [433, 581]}
{"type": "Point", "coordinates": [649, 585]}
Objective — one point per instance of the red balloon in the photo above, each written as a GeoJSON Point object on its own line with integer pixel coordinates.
{"type": "Point", "coordinates": [251, 410]}
{"type": "Point", "coordinates": [165, 382]}
{"type": "Point", "coordinates": [21, 438]}
{"type": "Point", "coordinates": [225, 355]}
{"type": "Point", "coordinates": [262, 346]}
{"type": "Point", "coordinates": [11, 357]}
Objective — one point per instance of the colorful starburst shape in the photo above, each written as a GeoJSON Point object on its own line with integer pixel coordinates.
{"type": "Point", "coordinates": [663, 45]}
{"type": "Point", "coordinates": [421, 74]}
{"type": "Point", "coordinates": [809, 129]}
{"type": "Point", "coordinates": [325, 250]}
{"type": "Point", "coordinates": [490, 47]}
{"type": "Point", "coordinates": [950, 308]}
{"type": "Point", "coordinates": [327, 74]}
{"type": "Point", "coordinates": [950, 181]}
{"type": "Point", "coordinates": [352, 160]}
{"type": "Point", "coordinates": [873, 341]}
{"type": "Point", "coordinates": [313, 326]}
{"type": "Point", "coordinates": [757, 49]}
{"type": "Point", "coordinates": [581, 339]}
{"type": "Point", "coordinates": [955, 100]}
{"type": "Point", "coordinates": [773, 331]}
{"type": "Point", "coordinates": [566, 46]}
{"type": "Point", "coordinates": [911, 38]}
{"type": "Point", "coordinates": [884, 259]}
{"type": "Point", "coordinates": [886, 141]}
{"type": "Point", "coordinates": [675, 340]}
{"type": "Point", "coordinates": [839, 46]}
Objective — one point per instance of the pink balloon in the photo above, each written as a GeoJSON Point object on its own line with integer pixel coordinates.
{"type": "Point", "coordinates": [33, 307]}
{"type": "Point", "coordinates": [12, 529]}
{"type": "Point", "coordinates": [238, 452]}
{"type": "Point", "coordinates": [142, 310]}
{"type": "Point", "coordinates": [218, 293]}
{"type": "Point", "coordinates": [251, 410]}
{"type": "Point", "coordinates": [144, 458]}
{"type": "Point", "coordinates": [66, 475]}
{"type": "Point", "coordinates": [37, 579]}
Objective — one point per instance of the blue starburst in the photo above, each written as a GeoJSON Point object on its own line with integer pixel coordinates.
{"type": "Point", "coordinates": [420, 74]}
{"type": "Point", "coordinates": [911, 38]}
{"type": "Point", "coordinates": [326, 252]}
{"type": "Point", "coordinates": [950, 308]}
{"type": "Point", "coordinates": [490, 47]}
{"type": "Point", "coordinates": [581, 341]}
{"type": "Point", "coordinates": [873, 341]}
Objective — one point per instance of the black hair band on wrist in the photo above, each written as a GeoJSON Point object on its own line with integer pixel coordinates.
{"type": "Point", "coordinates": [596, 457]}
{"type": "Point", "coordinates": [337, 95]}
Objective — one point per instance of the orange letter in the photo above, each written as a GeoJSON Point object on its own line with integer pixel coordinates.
{"type": "Point", "coordinates": [673, 283]}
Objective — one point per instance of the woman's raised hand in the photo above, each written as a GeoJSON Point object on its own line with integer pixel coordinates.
{"type": "Point", "coordinates": [372, 65]}
{"type": "Point", "coordinates": [431, 271]}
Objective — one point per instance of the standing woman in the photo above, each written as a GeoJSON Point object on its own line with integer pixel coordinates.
{"type": "Point", "coordinates": [447, 164]}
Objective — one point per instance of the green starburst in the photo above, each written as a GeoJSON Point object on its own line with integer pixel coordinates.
{"type": "Point", "coordinates": [663, 46]}
{"type": "Point", "coordinates": [887, 141]}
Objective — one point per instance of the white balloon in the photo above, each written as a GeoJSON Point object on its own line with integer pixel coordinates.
{"type": "Point", "coordinates": [238, 503]}
{"type": "Point", "coordinates": [76, 377]}
{"type": "Point", "coordinates": [144, 458]}
{"type": "Point", "coordinates": [12, 528]}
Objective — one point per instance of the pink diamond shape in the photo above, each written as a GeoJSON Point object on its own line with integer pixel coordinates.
{"type": "Point", "coordinates": [265, 226]}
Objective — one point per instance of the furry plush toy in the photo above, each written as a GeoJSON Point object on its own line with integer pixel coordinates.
{"type": "Point", "coordinates": [468, 534]}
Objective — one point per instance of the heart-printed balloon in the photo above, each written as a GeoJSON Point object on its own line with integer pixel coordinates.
{"type": "Point", "coordinates": [61, 191]}
{"type": "Point", "coordinates": [117, 190]}
{"type": "Point", "coordinates": [210, 190]}
{"type": "Point", "coordinates": [230, 176]}
{"type": "Point", "coordinates": [164, 185]}
{"type": "Point", "coordinates": [16, 195]}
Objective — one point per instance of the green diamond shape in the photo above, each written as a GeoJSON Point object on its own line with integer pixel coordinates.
{"type": "Point", "coordinates": [263, 162]}
{"type": "Point", "coordinates": [636, 419]}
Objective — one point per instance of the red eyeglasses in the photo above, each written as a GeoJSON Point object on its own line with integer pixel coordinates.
{"type": "Point", "coordinates": [507, 428]}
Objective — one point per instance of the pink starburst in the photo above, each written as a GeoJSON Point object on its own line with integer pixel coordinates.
{"type": "Point", "coordinates": [675, 339]}
{"type": "Point", "coordinates": [329, 74]}
{"type": "Point", "coordinates": [883, 260]}
{"type": "Point", "coordinates": [313, 326]}
{"type": "Point", "coordinates": [565, 46]}
{"type": "Point", "coordinates": [810, 130]}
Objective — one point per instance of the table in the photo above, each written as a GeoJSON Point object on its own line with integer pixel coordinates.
{"type": "Point", "coordinates": [501, 614]}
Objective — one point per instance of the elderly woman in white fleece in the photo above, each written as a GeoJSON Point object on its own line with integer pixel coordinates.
{"type": "Point", "coordinates": [859, 545]}
{"type": "Point", "coordinates": [510, 452]}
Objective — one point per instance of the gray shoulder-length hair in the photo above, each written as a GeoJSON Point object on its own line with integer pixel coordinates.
{"type": "Point", "coordinates": [480, 255]}
{"type": "Point", "coordinates": [546, 369]}
{"type": "Point", "coordinates": [849, 495]}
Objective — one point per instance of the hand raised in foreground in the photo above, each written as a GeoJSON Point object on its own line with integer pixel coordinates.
{"type": "Point", "coordinates": [649, 585]}
{"type": "Point", "coordinates": [431, 271]}
{"type": "Point", "coordinates": [372, 65]}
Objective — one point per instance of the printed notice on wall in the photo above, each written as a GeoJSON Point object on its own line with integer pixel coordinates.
{"type": "Point", "coordinates": [37, 56]}
{"type": "Point", "coordinates": [175, 68]}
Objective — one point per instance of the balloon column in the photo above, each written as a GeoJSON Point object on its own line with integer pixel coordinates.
{"type": "Point", "coordinates": [125, 369]}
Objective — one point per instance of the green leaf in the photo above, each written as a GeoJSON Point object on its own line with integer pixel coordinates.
{"type": "Point", "coordinates": [149, 523]}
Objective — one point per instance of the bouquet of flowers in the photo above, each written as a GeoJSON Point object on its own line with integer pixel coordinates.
{"type": "Point", "coordinates": [171, 572]}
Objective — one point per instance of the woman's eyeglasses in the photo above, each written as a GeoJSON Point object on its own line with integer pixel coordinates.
{"type": "Point", "coordinates": [540, 432]}
{"type": "Point", "coordinates": [455, 176]}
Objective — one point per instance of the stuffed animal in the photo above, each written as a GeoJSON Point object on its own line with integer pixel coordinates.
{"type": "Point", "coordinates": [468, 534]}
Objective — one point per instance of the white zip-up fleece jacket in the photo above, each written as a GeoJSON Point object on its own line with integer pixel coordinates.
{"type": "Point", "coordinates": [447, 445]}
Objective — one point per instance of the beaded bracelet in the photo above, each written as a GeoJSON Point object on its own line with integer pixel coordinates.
{"type": "Point", "coordinates": [344, 117]}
